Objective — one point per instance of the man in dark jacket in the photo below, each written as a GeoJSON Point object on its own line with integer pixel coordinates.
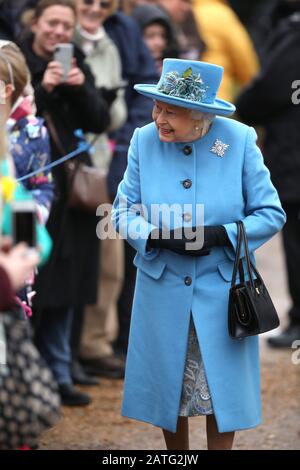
{"type": "Point", "coordinates": [271, 101]}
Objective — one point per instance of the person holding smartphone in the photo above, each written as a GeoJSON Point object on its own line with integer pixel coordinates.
{"type": "Point", "coordinates": [69, 279]}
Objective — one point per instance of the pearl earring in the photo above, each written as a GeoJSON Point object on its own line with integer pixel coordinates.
{"type": "Point", "coordinates": [196, 128]}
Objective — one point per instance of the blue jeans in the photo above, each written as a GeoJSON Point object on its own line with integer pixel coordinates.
{"type": "Point", "coordinates": [53, 342]}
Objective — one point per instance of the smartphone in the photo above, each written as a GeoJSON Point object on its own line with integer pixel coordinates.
{"type": "Point", "coordinates": [64, 54]}
{"type": "Point", "coordinates": [24, 222]}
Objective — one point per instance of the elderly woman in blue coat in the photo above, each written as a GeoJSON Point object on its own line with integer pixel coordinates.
{"type": "Point", "coordinates": [191, 175]}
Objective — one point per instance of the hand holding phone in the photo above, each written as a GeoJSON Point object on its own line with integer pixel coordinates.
{"type": "Point", "coordinates": [53, 76]}
{"type": "Point", "coordinates": [19, 264]}
{"type": "Point", "coordinates": [75, 76]}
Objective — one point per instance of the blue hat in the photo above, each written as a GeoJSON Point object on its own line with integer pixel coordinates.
{"type": "Point", "coordinates": [189, 84]}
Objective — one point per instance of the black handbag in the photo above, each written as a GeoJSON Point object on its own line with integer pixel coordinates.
{"type": "Point", "coordinates": [250, 310]}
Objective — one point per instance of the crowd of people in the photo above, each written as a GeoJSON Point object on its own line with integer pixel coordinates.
{"type": "Point", "coordinates": [79, 286]}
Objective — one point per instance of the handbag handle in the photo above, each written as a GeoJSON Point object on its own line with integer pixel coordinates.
{"type": "Point", "coordinates": [238, 264]}
{"type": "Point", "coordinates": [250, 265]}
{"type": "Point", "coordinates": [237, 255]}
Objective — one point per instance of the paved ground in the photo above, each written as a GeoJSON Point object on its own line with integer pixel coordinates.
{"type": "Point", "coordinates": [100, 425]}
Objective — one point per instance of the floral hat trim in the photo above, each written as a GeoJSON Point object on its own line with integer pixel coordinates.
{"type": "Point", "coordinates": [189, 86]}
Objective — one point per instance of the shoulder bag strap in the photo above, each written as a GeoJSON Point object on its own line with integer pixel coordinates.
{"type": "Point", "coordinates": [237, 254]}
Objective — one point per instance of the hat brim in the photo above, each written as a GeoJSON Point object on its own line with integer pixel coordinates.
{"type": "Point", "coordinates": [219, 107]}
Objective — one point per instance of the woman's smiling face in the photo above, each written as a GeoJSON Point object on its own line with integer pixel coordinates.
{"type": "Point", "coordinates": [55, 25]}
{"type": "Point", "coordinates": [174, 123]}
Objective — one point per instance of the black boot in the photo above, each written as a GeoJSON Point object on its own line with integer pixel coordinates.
{"type": "Point", "coordinates": [111, 367]}
{"type": "Point", "coordinates": [70, 396]}
{"type": "Point", "coordinates": [80, 377]}
{"type": "Point", "coordinates": [287, 337]}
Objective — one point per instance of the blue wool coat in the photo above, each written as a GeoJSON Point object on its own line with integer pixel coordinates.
{"type": "Point", "coordinates": [171, 287]}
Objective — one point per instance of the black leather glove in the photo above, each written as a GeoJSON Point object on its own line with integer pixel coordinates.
{"type": "Point", "coordinates": [175, 240]}
{"type": "Point", "coordinates": [215, 235]}
{"type": "Point", "coordinates": [108, 94]}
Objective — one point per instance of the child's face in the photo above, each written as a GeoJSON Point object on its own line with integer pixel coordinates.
{"type": "Point", "coordinates": [156, 39]}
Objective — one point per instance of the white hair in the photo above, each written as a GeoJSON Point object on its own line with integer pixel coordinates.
{"type": "Point", "coordinates": [199, 116]}
{"type": "Point", "coordinates": [205, 118]}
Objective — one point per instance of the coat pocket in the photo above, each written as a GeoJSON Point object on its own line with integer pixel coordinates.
{"type": "Point", "coordinates": [226, 269]}
{"type": "Point", "coordinates": [153, 267]}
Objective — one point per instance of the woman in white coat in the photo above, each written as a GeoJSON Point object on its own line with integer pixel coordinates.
{"type": "Point", "coordinates": [181, 360]}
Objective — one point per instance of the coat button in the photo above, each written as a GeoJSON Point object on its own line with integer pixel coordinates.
{"type": "Point", "coordinates": [187, 217]}
{"type": "Point", "coordinates": [188, 280]}
{"type": "Point", "coordinates": [187, 184]}
{"type": "Point", "coordinates": [187, 150]}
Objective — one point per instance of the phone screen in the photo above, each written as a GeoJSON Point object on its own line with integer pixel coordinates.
{"type": "Point", "coordinates": [24, 228]}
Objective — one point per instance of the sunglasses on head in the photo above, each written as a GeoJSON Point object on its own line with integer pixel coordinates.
{"type": "Point", "coordinates": [102, 3]}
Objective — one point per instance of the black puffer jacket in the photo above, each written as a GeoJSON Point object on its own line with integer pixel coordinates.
{"type": "Point", "coordinates": [268, 102]}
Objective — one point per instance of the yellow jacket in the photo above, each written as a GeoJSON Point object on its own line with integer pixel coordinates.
{"type": "Point", "coordinates": [227, 44]}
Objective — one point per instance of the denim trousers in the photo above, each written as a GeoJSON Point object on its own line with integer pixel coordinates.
{"type": "Point", "coordinates": [53, 341]}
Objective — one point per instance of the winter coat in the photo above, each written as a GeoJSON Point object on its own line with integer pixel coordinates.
{"type": "Point", "coordinates": [30, 149]}
{"type": "Point", "coordinates": [267, 102]}
{"type": "Point", "coordinates": [69, 278]}
{"type": "Point", "coordinates": [172, 287]}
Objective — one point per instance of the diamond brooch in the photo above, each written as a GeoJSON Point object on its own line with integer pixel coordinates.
{"type": "Point", "coordinates": [219, 148]}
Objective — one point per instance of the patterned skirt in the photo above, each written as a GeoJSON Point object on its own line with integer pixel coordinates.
{"type": "Point", "coordinates": [195, 396]}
